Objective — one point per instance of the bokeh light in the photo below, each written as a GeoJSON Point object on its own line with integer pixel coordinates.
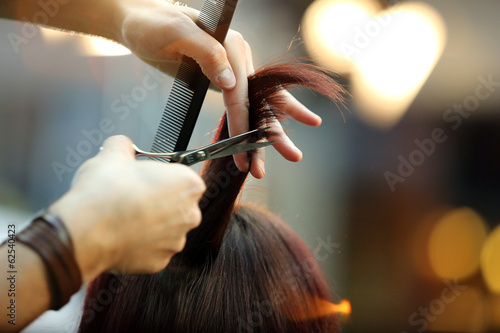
{"type": "Point", "coordinates": [102, 47]}
{"type": "Point", "coordinates": [389, 53]}
{"type": "Point", "coordinates": [490, 261]}
{"type": "Point", "coordinates": [465, 311]}
{"type": "Point", "coordinates": [455, 243]}
{"type": "Point", "coordinates": [397, 63]}
{"type": "Point", "coordinates": [318, 308]}
{"type": "Point", "coordinates": [494, 313]}
{"type": "Point", "coordinates": [330, 26]}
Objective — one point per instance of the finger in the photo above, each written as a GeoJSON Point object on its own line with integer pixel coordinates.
{"type": "Point", "coordinates": [117, 145]}
{"type": "Point", "coordinates": [189, 212]}
{"type": "Point", "coordinates": [156, 261]}
{"type": "Point", "coordinates": [236, 100]}
{"type": "Point", "coordinates": [210, 55]}
{"type": "Point", "coordinates": [296, 110]}
{"type": "Point", "coordinates": [257, 167]}
{"type": "Point", "coordinates": [283, 143]}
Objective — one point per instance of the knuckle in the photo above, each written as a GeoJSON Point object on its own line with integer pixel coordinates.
{"type": "Point", "coordinates": [191, 216]}
{"type": "Point", "coordinates": [193, 181]}
{"type": "Point", "coordinates": [237, 41]}
{"type": "Point", "coordinates": [236, 38]}
{"type": "Point", "coordinates": [159, 265]}
{"type": "Point", "coordinates": [248, 47]}
{"type": "Point", "coordinates": [179, 21]}
{"type": "Point", "coordinates": [180, 245]}
{"type": "Point", "coordinates": [88, 165]}
{"type": "Point", "coordinates": [197, 184]}
{"type": "Point", "coordinates": [239, 106]}
{"type": "Point", "coordinates": [196, 218]}
{"type": "Point", "coordinates": [216, 56]}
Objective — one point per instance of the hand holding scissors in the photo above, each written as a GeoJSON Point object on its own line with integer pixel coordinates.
{"type": "Point", "coordinates": [219, 149]}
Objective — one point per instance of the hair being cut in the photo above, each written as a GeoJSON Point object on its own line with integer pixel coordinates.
{"type": "Point", "coordinates": [242, 269]}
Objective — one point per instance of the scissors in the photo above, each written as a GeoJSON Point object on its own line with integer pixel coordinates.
{"type": "Point", "coordinates": [219, 149]}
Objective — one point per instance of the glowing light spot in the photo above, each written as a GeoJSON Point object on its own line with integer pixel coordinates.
{"type": "Point", "coordinates": [94, 46]}
{"type": "Point", "coordinates": [494, 312]}
{"type": "Point", "coordinates": [490, 261]}
{"type": "Point", "coordinates": [455, 243]}
{"type": "Point", "coordinates": [85, 45]}
{"type": "Point", "coordinates": [389, 54]}
{"type": "Point", "coordinates": [399, 60]}
{"type": "Point", "coordinates": [315, 307]}
{"type": "Point", "coordinates": [54, 36]}
{"type": "Point", "coordinates": [329, 25]}
{"type": "Point", "coordinates": [462, 310]}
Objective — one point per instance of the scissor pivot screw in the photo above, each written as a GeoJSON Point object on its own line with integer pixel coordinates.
{"type": "Point", "coordinates": [201, 154]}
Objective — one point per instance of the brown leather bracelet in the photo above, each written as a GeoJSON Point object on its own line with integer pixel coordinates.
{"type": "Point", "coordinates": [48, 237]}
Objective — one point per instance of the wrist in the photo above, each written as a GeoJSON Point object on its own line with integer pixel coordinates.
{"type": "Point", "coordinates": [93, 252]}
{"type": "Point", "coordinates": [111, 26]}
{"type": "Point", "coordinates": [96, 17]}
{"type": "Point", "coordinates": [48, 236]}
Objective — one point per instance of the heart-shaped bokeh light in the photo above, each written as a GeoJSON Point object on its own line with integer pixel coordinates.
{"type": "Point", "coordinates": [388, 54]}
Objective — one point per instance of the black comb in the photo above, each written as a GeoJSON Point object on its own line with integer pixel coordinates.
{"type": "Point", "coordinates": [191, 85]}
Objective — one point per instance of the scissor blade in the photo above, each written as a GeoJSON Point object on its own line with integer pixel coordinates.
{"type": "Point", "coordinates": [214, 148]}
{"type": "Point", "coordinates": [241, 148]}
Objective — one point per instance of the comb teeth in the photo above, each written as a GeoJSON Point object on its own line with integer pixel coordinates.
{"type": "Point", "coordinates": [190, 85]}
{"type": "Point", "coordinates": [175, 113]}
{"type": "Point", "coordinates": [210, 15]}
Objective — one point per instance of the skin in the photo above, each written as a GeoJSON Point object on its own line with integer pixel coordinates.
{"type": "Point", "coordinates": [101, 210]}
{"type": "Point", "coordinates": [160, 33]}
{"type": "Point", "coordinates": [160, 49]}
{"type": "Point", "coordinates": [133, 223]}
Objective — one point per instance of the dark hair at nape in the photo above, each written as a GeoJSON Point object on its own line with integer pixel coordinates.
{"type": "Point", "coordinates": [242, 269]}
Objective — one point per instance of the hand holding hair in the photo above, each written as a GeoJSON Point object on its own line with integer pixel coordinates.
{"type": "Point", "coordinates": [242, 262]}
{"type": "Point", "coordinates": [133, 216]}
{"type": "Point", "coordinates": [160, 33]}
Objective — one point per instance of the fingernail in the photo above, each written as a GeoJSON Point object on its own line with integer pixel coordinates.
{"type": "Point", "coordinates": [226, 78]}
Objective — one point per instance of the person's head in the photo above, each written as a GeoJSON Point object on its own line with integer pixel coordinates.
{"type": "Point", "coordinates": [263, 279]}
{"type": "Point", "coordinates": [242, 269]}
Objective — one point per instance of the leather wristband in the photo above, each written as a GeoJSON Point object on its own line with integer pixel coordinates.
{"type": "Point", "coordinates": [48, 236]}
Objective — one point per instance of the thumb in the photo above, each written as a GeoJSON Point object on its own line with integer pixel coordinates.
{"type": "Point", "coordinates": [117, 145]}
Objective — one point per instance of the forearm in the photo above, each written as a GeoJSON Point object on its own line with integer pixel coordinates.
{"type": "Point", "coordinates": [94, 17]}
{"type": "Point", "coordinates": [23, 286]}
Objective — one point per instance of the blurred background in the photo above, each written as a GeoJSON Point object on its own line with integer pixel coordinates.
{"type": "Point", "coordinates": [397, 195]}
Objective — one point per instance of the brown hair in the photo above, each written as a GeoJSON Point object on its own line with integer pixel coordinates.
{"type": "Point", "coordinates": [242, 269]}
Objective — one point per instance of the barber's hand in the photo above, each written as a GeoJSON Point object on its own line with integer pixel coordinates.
{"type": "Point", "coordinates": [127, 215]}
{"type": "Point", "coordinates": [161, 33]}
